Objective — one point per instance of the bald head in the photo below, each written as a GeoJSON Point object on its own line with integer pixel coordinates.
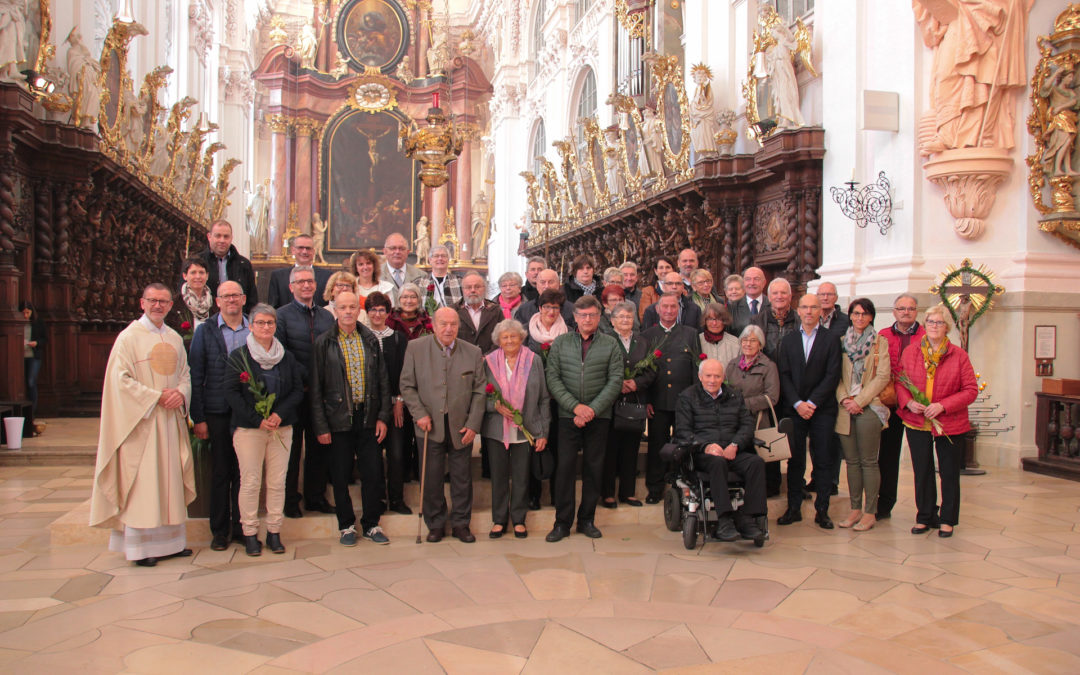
{"type": "Point", "coordinates": [396, 250]}
{"type": "Point", "coordinates": [446, 325]}
{"type": "Point", "coordinates": [711, 374]}
{"type": "Point", "coordinates": [547, 279]}
{"type": "Point", "coordinates": [347, 308]}
{"type": "Point", "coordinates": [754, 281]}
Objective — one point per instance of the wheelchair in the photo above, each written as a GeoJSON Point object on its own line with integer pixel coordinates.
{"type": "Point", "coordinates": [688, 504]}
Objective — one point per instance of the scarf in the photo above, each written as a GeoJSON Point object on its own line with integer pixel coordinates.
{"type": "Point", "coordinates": [508, 307]}
{"type": "Point", "coordinates": [932, 357]}
{"type": "Point", "coordinates": [541, 334]}
{"type": "Point", "coordinates": [265, 359]}
{"type": "Point", "coordinates": [857, 347]}
{"type": "Point", "coordinates": [200, 307]}
{"type": "Point", "coordinates": [386, 332]}
{"type": "Point", "coordinates": [745, 363]}
{"type": "Point", "coordinates": [712, 338]}
{"type": "Point", "coordinates": [514, 389]}
{"type": "Point", "coordinates": [589, 290]}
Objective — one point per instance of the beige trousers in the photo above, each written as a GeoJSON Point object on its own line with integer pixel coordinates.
{"type": "Point", "coordinates": [254, 448]}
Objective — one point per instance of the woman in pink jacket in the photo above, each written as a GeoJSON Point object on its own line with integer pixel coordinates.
{"type": "Point", "coordinates": [942, 372]}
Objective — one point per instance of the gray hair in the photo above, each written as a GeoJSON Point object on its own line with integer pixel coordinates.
{"type": "Point", "coordinates": [701, 366]}
{"type": "Point", "coordinates": [779, 280]}
{"type": "Point", "coordinates": [410, 288]}
{"type": "Point", "coordinates": [507, 325]}
{"type": "Point", "coordinates": [610, 273]}
{"type": "Point", "coordinates": [263, 308]}
{"type": "Point", "coordinates": [732, 278]}
{"type": "Point", "coordinates": [510, 276]}
{"type": "Point", "coordinates": [909, 296]}
{"type": "Point", "coordinates": [300, 268]}
{"type": "Point", "coordinates": [536, 259]}
{"type": "Point", "coordinates": [438, 248]}
{"type": "Point", "coordinates": [629, 263]}
{"type": "Point", "coordinates": [755, 332]}
{"type": "Point", "coordinates": [624, 306]}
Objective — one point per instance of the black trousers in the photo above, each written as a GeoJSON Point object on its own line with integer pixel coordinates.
{"type": "Point", "coordinates": [316, 462]}
{"type": "Point", "coordinates": [440, 456]}
{"type": "Point", "coordinates": [357, 447]}
{"type": "Point", "coordinates": [620, 461]}
{"type": "Point", "coordinates": [224, 477]}
{"type": "Point", "coordinates": [819, 429]}
{"type": "Point", "coordinates": [950, 458]}
{"type": "Point", "coordinates": [747, 465]}
{"type": "Point", "coordinates": [591, 440]}
{"type": "Point", "coordinates": [889, 462]}
{"type": "Point", "coordinates": [395, 445]}
{"type": "Point", "coordinates": [509, 481]}
{"type": "Point", "coordinates": [659, 436]}
{"type": "Point", "coordinates": [536, 486]}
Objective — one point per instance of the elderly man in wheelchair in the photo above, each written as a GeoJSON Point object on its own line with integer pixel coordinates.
{"type": "Point", "coordinates": [714, 437]}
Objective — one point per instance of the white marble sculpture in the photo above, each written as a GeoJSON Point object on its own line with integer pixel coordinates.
{"type": "Point", "coordinates": [258, 219]}
{"type": "Point", "coordinates": [703, 118]}
{"type": "Point", "coordinates": [84, 81]}
{"type": "Point", "coordinates": [780, 67]}
{"type": "Point", "coordinates": [12, 40]}
{"type": "Point", "coordinates": [318, 236]}
{"type": "Point", "coordinates": [307, 45]}
{"type": "Point", "coordinates": [652, 131]}
{"type": "Point", "coordinates": [422, 243]}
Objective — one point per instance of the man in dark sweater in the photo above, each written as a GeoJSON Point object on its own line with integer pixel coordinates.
{"type": "Point", "coordinates": [224, 263]}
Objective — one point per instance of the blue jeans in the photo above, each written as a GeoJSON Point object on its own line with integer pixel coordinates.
{"type": "Point", "coordinates": [33, 369]}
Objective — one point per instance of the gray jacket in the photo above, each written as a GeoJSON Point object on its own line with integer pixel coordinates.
{"type": "Point", "coordinates": [537, 408]}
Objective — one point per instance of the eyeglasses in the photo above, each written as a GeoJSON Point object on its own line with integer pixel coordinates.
{"type": "Point", "coordinates": [550, 308]}
{"type": "Point", "coordinates": [936, 323]}
{"type": "Point", "coordinates": [377, 310]}
{"type": "Point", "coordinates": [397, 248]}
{"type": "Point", "coordinates": [156, 303]}
{"type": "Point", "coordinates": [859, 313]}
{"type": "Point", "coordinates": [303, 248]}
{"type": "Point", "coordinates": [264, 324]}
{"type": "Point", "coordinates": [343, 285]}
{"type": "Point", "coordinates": [904, 309]}
{"type": "Point", "coordinates": [587, 315]}
{"type": "Point", "coordinates": [231, 296]}
{"type": "Point", "coordinates": [305, 281]}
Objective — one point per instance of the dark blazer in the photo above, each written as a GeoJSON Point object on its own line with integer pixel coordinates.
{"type": "Point", "coordinates": [437, 386]}
{"type": "Point", "coordinates": [285, 381]}
{"type": "Point", "coordinates": [529, 292]}
{"type": "Point", "coordinates": [572, 291]}
{"type": "Point", "coordinates": [775, 331]}
{"type": "Point", "coordinates": [740, 314]}
{"type": "Point", "coordinates": [280, 293]}
{"type": "Point", "coordinates": [690, 315]}
{"type": "Point", "coordinates": [812, 379]}
{"type": "Point", "coordinates": [536, 412]}
{"type": "Point", "coordinates": [298, 327]}
{"type": "Point", "coordinates": [677, 366]}
{"type": "Point", "coordinates": [209, 371]}
{"type": "Point", "coordinates": [393, 349]}
{"type": "Point", "coordinates": [840, 322]}
{"type": "Point", "coordinates": [489, 316]}
{"type": "Point", "coordinates": [38, 334]}
{"type": "Point", "coordinates": [332, 398]}
{"type": "Point", "coordinates": [527, 310]}
{"type": "Point", "coordinates": [238, 269]}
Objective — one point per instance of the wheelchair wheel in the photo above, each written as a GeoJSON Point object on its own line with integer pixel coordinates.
{"type": "Point", "coordinates": [673, 515]}
{"type": "Point", "coordinates": [689, 531]}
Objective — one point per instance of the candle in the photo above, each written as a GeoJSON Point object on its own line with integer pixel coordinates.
{"type": "Point", "coordinates": [852, 176]}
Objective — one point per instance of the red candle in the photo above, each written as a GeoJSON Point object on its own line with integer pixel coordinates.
{"type": "Point", "coordinates": [435, 99]}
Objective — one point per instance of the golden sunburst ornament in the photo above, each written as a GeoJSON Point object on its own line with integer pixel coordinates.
{"type": "Point", "coordinates": [968, 292]}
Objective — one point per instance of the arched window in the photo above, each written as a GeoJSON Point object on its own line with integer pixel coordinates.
{"type": "Point", "coordinates": [581, 8]}
{"type": "Point", "coordinates": [538, 28]}
{"type": "Point", "coordinates": [586, 108]}
{"type": "Point", "coordinates": [539, 148]}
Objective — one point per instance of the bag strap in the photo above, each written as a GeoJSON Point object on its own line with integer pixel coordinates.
{"type": "Point", "coordinates": [873, 355]}
{"type": "Point", "coordinates": [776, 420]}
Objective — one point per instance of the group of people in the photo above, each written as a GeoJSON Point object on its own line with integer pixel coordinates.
{"type": "Point", "coordinates": [388, 372]}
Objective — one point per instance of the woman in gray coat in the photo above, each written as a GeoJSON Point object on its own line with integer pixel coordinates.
{"type": "Point", "coordinates": [518, 376]}
{"type": "Point", "coordinates": [756, 378]}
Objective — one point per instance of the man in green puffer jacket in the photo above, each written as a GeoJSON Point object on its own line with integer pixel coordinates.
{"type": "Point", "coordinates": [584, 376]}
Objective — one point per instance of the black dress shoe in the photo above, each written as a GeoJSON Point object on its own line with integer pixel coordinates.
{"type": "Point", "coordinates": [252, 545]}
{"type": "Point", "coordinates": [653, 498]}
{"type": "Point", "coordinates": [725, 528]}
{"type": "Point", "coordinates": [558, 533]}
{"type": "Point", "coordinates": [834, 491]}
{"type": "Point", "coordinates": [293, 511]}
{"type": "Point", "coordinates": [944, 534]}
{"type": "Point", "coordinates": [823, 520]}
{"type": "Point", "coordinates": [920, 529]}
{"type": "Point", "coordinates": [146, 562]}
{"type": "Point", "coordinates": [534, 504]}
{"type": "Point", "coordinates": [589, 530]}
{"type": "Point", "coordinates": [609, 505]}
{"type": "Point", "coordinates": [790, 516]}
{"type": "Point", "coordinates": [463, 534]}
{"type": "Point", "coordinates": [402, 508]}
{"type": "Point", "coordinates": [435, 536]}
{"type": "Point", "coordinates": [219, 543]}
{"type": "Point", "coordinates": [273, 542]}
{"type": "Point", "coordinates": [182, 553]}
{"type": "Point", "coordinates": [496, 534]}
{"type": "Point", "coordinates": [632, 501]}
{"type": "Point", "coordinates": [520, 534]}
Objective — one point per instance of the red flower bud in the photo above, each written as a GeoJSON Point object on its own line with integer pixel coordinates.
{"type": "Point", "coordinates": [490, 388]}
{"type": "Point", "coordinates": [244, 377]}
{"type": "Point", "coordinates": [186, 325]}
{"type": "Point", "coordinates": [702, 357]}
{"type": "Point", "coordinates": [431, 288]}
{"type": "Point", "coordinates": [657, 353]}
{"type": "Point", "coordinates": [546, 346]}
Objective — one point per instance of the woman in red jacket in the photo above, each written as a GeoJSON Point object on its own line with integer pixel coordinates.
{"type": "Point", "coordinates": [943, 372]}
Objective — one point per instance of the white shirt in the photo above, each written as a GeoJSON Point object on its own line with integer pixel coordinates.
{"type": "Point", "coordinates": [474, 314]}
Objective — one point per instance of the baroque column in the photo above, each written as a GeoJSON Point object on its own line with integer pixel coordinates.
{"type": "Point", "coordinates": [305, 168]}
{"type": "Point", "coordinates": [279, 186]}
{"type": "Point", "coordinates": [463, 201]}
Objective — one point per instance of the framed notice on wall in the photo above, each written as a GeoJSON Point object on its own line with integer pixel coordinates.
{"type": "Point", "coordinates": [1045, 350]}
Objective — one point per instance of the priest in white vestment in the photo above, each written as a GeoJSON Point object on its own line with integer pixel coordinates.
{"type": "Point", "coordinates": [144, 478]}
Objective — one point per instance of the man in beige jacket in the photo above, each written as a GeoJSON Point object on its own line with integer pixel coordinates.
{"type": "Point", "coordinates": [442, 383]}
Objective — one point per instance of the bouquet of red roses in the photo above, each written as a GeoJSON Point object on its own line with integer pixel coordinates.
{"type": "Point", "coordinates": [646, 364]}
{"type": "Point", "coordinates": [519, 420]}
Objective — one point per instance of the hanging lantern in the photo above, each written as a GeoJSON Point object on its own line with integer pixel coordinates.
{"type": "Point", "coordinates": [434, 145]}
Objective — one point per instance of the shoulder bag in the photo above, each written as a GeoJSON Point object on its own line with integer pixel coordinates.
{"type": "Point", "coordinates": [888, 394]}
{"type": "Point", "coordinates": [776, 445]}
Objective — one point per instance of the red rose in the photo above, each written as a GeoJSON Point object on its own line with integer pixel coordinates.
{"type": "Point", "coordinates": [702, 357]}
{"type": "Point", "coordinates": [244, 377]}
{"type": "Point", "coordinates": [546, 346]}
{"type": "Point", "coordinates": [186, 325]}
{"type": "Point", "coordinates": [431, 288]}
{"type": "Point", "coordinates": [490, 388]}
{"type": "Point", "coordinates": [657, 353]}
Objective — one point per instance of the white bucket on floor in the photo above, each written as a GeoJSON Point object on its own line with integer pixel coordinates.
{"type": "Point", "coordinates": [14, 426]}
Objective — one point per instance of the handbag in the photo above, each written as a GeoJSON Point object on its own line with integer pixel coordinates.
{"type": "Point", "coordinates": [776, 442]}
{"type": "Point", "coordinates": [630, 417]}
{"type": "Point", "coordinates": [888, 394]}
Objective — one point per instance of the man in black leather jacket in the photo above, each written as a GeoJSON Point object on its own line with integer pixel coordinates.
{"type": "Point", "coordinates": [714, 417]}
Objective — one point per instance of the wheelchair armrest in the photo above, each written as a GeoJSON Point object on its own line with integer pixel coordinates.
{"type": "Point", "coordinates": [785, 426]}
{"type": "Point", "coordinates": [760, 443]}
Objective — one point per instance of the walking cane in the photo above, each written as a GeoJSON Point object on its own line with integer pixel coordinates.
{"type": "Point", "coordinates": [423, 474]}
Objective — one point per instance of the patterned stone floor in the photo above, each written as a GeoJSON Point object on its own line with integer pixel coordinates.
{"type": "Point", "coordinates": [1003, 595]}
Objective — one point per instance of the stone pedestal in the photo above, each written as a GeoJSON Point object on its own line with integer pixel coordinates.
{"type": "Point", "coordinates": [970, 178]}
